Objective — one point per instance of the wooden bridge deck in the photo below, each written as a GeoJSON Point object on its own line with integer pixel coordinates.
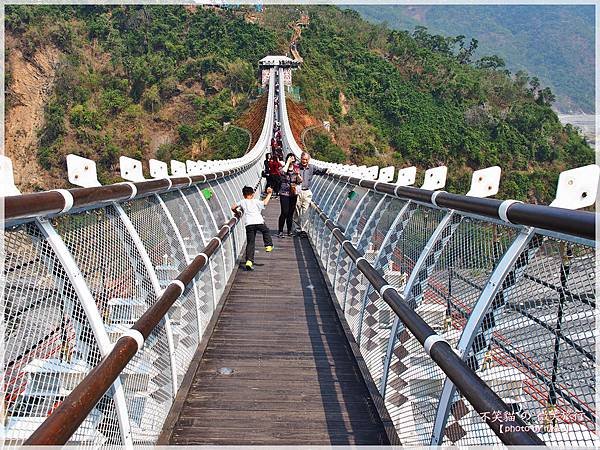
{"type": "Point", "coordinates": [295, 379]}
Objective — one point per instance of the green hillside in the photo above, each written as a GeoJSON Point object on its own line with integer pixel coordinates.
{"type": "Point", "coordinates": [140, 81]}
{"type": "Point", "coordinates": [553, 42]}
{"type": "Point", "coordinates": [425, 100]}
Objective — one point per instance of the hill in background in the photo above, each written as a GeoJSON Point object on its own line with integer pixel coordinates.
{"type": "Point", "coordinates": [395, 98]}
{"type": "Point", "coordinates": [140, 81]}
{"type": "Point", "coordinates": [552, 42]}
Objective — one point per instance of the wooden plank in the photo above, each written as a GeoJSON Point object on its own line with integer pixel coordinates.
{"type": "Point", "coordinates": [295, 379]}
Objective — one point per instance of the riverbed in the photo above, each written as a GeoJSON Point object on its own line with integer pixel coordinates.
{"type": "Point", "coordinates": [585, 122]}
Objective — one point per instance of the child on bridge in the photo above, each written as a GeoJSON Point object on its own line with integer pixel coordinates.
{"type": "Point", "coordinates": [254, 222]}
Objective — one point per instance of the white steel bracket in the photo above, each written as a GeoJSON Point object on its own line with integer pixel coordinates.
{"type": "Point", "coordinates": [435, 178]}
{"type": "Point", "coordinates": [158, 169]}
{"type": "Point", "coordinates": [407, 176]}
{"type": "Point", "coordinates": [178, 168]}
{"type": "Point", "coordinates": [386, 174]}
{"type": "Point", "coordinates": [371, 173]}
{"type": "Point", "coordinates": [577, 188]}
{"type": "Point", "coordinates": [7, 180]}
{"type": "Point", "coordinates": [485, 182]}
{"type": "Point", "coordinates": [82, 171]}
{"type": "Point", "coordinates": [131, 169]}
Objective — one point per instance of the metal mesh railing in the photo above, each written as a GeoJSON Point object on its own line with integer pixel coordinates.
{"type": "Point", "coordinates": [77, 286]}
{"type": "Point", "coordinates": [49, 342]}
{"type": "Point", "coordinates": [121, 257]}
{"type": "Point", "coordinates": [517, 302]}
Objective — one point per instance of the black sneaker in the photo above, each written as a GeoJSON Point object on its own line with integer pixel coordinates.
{"type": "Point", "coordinates": [281, 235]}
{"type": "Point", "coordinates": [290, 234]}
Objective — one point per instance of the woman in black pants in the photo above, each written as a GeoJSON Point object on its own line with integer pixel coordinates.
{"type": "Point", "coordinates": [287, 193]}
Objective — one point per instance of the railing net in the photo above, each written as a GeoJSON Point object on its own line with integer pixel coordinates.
{"type": "Point", "coordinates": [124, 255]}
{"type": "Point", "coordinates": [535, 345]}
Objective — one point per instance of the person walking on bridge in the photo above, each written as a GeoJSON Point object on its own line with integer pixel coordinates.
{"type": "Point", "coordinates": [288, 193]}
{"type": "Point", "coordinates": [266, 173]}
{"type": "Point", "coordinates": [274, 172]}
{"type": "Point", "coordinates": [306, 171]}
{"type": "Point", "coordinates": [254, 222]}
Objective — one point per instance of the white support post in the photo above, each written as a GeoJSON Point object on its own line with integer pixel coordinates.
{"type": "Point", "coordinates": [212, 217]}
{"type": "Point", "coordinates": [427, 250]}
{"type": "Point", "coordinates": [359, 240]}
{"type": "Point", "coordinates": [493, 286]}
{"type": "Point", "coordinates": [225, 214]}
{"type": "Point", "coordinates": [369, 225]}
{"type": "Point", "coordinates": [329, 213]}
{"type": "Point", "coordinates": [407, 210]}
{"type": "Point", "coordinates": [332, 238]}
{"type": "Point", "coordinates": [230, 200]}
{"type": "Point", "coordinates": [484, 183]}
{"type": "Point", "coordinates": [93, 316]}
{"type": "Point", "coordinates": [188, 260]}
{"type": "Point", "coordinates": [329, 193]}
{"type": "Point", "coordinates": [139, 245]}
{"type": "Point", "coordinates": [204, 240]}
{"type": "Point", "coordinates": [351, 224]}
{"type": "Point", "coordinates": [82, 172]}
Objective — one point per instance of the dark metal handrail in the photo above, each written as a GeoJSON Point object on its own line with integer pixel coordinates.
{"type": "Point", "coordinates": [66, 418]}
{"type": "Point", "coordinates": [26, 206]}
{"type": "Point", "coordinates": [573, 222]}
{"type": "Point", "coordinates": [475, 390]}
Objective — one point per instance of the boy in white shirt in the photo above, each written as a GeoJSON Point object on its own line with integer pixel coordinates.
{"type": "Point", "coordinates": [254, 222]}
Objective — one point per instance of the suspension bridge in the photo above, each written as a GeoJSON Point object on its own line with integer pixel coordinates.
{"type": "Point", "coordinates": [410, 316]}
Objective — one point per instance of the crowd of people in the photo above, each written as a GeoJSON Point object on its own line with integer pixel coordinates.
{"type": "Point", "coordinates": [287, 179]}
{"type": "Point", "coordinates": [291, 182]}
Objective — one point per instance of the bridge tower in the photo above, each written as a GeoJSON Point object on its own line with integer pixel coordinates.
{"type": "Point", "coordinates": [271, 61]}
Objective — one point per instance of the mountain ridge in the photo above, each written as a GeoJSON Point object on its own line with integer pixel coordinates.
{"type": "Point", "coordinates": [552, 42]}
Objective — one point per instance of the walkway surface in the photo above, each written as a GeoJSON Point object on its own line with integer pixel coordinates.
{"type": "Point", "coordinates": [294, 380]}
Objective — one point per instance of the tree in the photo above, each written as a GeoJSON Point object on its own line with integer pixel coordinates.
{"type": "Point", "coordinates": [113, 100]}
{"type": "Point", "coordinates": [492, 62]}
{"type": "Point", "coordinates": [534, 83]}
{"type": "Point", "coordinates": [151, 98]}
{"type": "Point", "coordinates": [433, 42]}
{"type": "Point", "coordinates": [465, 55]}
{"type": "Point", "coordinates": [239, 75]}
{"type": "Point", "coordinates": [186, 134]}
{"type": "Point", "coordinates": [81, 116]}
{"type": "Point", "coordinates": [546, 97]}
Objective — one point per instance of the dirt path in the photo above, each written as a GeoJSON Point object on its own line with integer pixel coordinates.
{"type": "Point", "coordinates": [32, 82]}
{"type": "Point", "coordinates": [297, 27]}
